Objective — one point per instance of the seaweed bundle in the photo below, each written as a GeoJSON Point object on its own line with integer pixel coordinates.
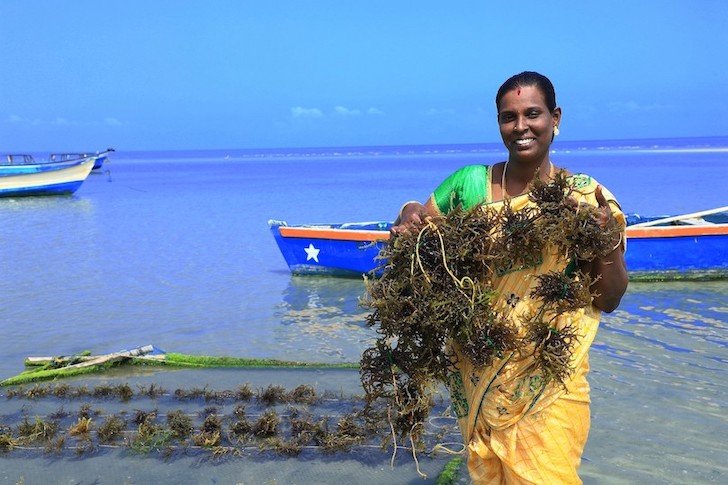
{"type": "Point", "coordinates": [436, 295]}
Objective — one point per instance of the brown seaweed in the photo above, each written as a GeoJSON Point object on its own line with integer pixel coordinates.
{"type": "Point", "coordinates": [436, 293]}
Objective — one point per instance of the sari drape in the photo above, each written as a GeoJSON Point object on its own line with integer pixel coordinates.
{"type": "Point", "coordinates": [517, 428]}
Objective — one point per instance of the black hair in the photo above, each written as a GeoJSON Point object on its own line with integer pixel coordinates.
{"type": "Point", "coordinates": [529, 78]}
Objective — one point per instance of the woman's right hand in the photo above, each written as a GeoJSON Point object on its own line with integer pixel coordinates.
{"type": "Point", "coordinates": [412, 217]}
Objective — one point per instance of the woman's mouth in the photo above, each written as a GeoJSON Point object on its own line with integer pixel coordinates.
{"type": "Point", "coordinates": [523, 142]}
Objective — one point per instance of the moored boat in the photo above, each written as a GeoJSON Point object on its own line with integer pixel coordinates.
{"type": "Point", "coordinates": [99, 157]}
{"type": "Point", "coordinates": [22, 175]}
{"type": "Point", "coordinates": [687, 246]}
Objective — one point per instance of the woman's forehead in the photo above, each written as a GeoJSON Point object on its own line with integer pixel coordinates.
{"type": "Point", "coordinates": [523, 95]}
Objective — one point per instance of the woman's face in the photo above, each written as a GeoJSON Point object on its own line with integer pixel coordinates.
{"type": "Point", "coordinates": [526, 124]}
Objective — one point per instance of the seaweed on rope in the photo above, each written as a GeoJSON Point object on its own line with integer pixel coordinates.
{"type": "Point", "coordinates": [236, 422]}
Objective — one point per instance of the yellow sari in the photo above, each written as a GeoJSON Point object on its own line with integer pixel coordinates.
{"type": "Point", "coordinates": [516, 428]}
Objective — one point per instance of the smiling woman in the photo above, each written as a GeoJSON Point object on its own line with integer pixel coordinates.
{"type": "Point", "coordinates": [517, 424]}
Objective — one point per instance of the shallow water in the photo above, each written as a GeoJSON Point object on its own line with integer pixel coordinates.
{"type": "Point", "coordinates": [175, 251]}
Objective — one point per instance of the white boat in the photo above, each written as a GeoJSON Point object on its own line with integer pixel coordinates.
{"type": "Point", "coordinates": [22, 175]}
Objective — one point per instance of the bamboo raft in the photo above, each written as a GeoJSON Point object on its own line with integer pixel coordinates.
{"type": "Point", "coordinates": [58, 367]}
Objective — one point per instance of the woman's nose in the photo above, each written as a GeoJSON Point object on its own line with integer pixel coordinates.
{"type": "Point", "coordinates": [520, 123]}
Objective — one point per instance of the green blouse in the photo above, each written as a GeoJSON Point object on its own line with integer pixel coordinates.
{"type": "Point", "coordinates": [468, 186]}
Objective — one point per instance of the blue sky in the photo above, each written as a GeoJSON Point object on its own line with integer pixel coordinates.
{"type": "Point", "coordinates": [160, 74]}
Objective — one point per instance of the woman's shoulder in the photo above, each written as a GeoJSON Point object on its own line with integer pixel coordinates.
{"type": "Point", "coordinates": [472, 168]}
{"type": "Point", "coordinates": [467, 173]}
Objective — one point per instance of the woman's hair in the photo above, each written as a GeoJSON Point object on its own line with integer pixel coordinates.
{"type": "Point", "coordinates": [528, 78]}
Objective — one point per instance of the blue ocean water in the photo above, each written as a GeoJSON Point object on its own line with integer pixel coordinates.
{"type": "Point", "coordinates": [173, 249]}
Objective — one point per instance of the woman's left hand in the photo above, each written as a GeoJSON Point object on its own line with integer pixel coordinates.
{"type": "Point", "coordinates": [609, 271]}
{"type": "Point", "coordinates": [603, 215]}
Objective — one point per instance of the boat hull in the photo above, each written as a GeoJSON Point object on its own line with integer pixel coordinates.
{"type": "Point", "coordinates": [99, 162]}
{"type": "Point", "coordinates": [653, 254]}
{"type": "Point", "coordinates": [324, 253]}
{"type": "Point", "coordinates": [57, 178]}
{"type": "Point", "coordinates": [677, 252]}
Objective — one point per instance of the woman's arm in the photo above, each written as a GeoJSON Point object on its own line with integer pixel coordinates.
{"type": "Point", "coordinates": [610, 271]}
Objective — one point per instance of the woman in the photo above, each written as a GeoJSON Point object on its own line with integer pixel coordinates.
{"type": "Point", "coordinates": [517, 428]}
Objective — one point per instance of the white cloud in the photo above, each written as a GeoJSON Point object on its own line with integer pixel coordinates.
{"type": "Point", "coordinates": [375, 112]}
{"type": "Point", "coordinates": [300, 112]}
{"type": "Point", "coordinates": [340, 110]}
{"type": "Point", "coordinates": [439, 112]}
{"type": "Point", "coordinates": [61, 121]}
{"type": "Point", "coordinates": [634, 107]}
{"type": "Point", "coordinates": [111, 121]}
{"type": "Point", "coordinates": [18, 120]}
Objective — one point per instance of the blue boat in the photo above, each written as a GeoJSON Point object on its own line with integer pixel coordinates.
{"type": "Point", "coordinates": [22, 175]}
{"type": "Point", "coordinates": [688, 246]}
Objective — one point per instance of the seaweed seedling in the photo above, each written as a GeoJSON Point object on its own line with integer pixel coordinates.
{"type": "Point", "coordinates": [210, 432]}
{"type": "Point", "coordinates": [267, 424]}
{"type": "Point", "coordinates": [221, 452]}
{"type": "Point", "coordinates": [103, 391]}
{"type": "Point", "coordinates": [82, 428]}
{"type": "Point", "coordinates": [39, 430]}
{"type": "Point", "coordinates": [240, 425]}
{"type": "Point", "coordinates": [303, 394]}
{"type": "Point", "coordinates": [7, 440]}
{"type": "Point", "coordinates": [179, 424]}
{"type": "Point", "coordinates": [188, 394]}
{"type": "Point", "coordinates": [86, 411]}
{"type": "Point", "coordinates": [244, 393]}
{"type": "Point", "coordinates": [292, 447]}
{"type": "Point", "coordinates": [61, 413]}
{"type": "Point", "coordinates": [303, 426]}
{"type": "Point", "coordinates": [150, 437]}
{"type": "Point", "coordinates": [61, 390]}
{"type": "Point", "coordinates": [36, 392]}
{"type": "Point", "coordinates": [153, 391]}
{"type": "Point", "coordinates": [272, 395]}
{"type": "Point", "coordinates": [79, 392]}
{"type": "Point", "coordinates": [209, 411]}
{"type": "Point", "coordinates": [55, 446]}
{"type": "Point", "coordinates": [144, 417]}
{"type": "Point", "coordinates": [111, 429]}
{"type": "Point", "coordinates": [348, 433]}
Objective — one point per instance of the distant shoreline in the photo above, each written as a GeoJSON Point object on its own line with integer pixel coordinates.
{"type": "Point", "coordinates": [712, 144]}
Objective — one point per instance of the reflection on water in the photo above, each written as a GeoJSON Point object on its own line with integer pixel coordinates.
{"type": "Point", "coordinates": [322, 317]}
{"type": "Point", "coordinates": [659, 387]}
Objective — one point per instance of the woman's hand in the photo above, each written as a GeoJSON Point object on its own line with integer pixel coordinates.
{"type": "Point", "coordinates": [603, 215]}
{"type": "Point", "coordinates": [412, 216]}
{"type": "Point", "coordinates": [610, 271]}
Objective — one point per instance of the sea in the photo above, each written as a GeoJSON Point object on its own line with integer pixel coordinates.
{"type": "Point", "coordinates": [173, 249]}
